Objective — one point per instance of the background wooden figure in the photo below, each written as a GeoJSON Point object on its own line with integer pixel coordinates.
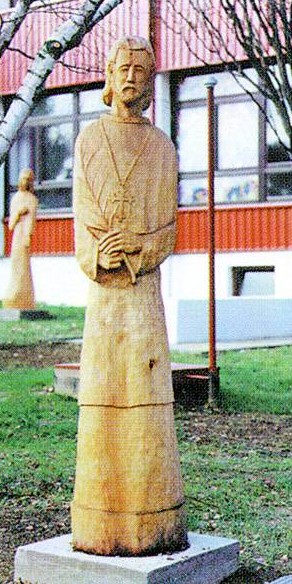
{"type": "Point", "coordinates": [23, 208]}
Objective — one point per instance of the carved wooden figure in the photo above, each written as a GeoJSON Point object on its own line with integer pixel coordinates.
{"type": "Point", "coordinates": [128, 497]}
{"type": "Point", "coordinates": [23, 208]}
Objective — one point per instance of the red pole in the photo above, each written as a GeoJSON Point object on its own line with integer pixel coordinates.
{"type": "Point", "coordinates": [210, 84]}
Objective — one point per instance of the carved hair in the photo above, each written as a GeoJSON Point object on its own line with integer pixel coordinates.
{"type": "Point", "coordinates": [132, 44]}
{"type": "Point", "coordinates": [26, 180]}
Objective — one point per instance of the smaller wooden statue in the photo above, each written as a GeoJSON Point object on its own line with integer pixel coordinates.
{"type": "Point", "coordinates": [23, 207]}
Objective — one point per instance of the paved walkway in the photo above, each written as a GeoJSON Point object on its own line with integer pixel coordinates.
{"type": "Point", "coordinates": [232, 346]}
{"type": "Point", "coordinates": [222, 346]}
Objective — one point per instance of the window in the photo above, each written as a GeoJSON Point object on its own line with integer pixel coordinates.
{"type": "Point", "coordinates": [238, 141]}
{"type": "Point", "coordinates": [46, 145]}
{"type": "Point", "coordinates": [251, 164]}
{"type": "Point", "coordinates": [278, 172]}
{"type": "Point", "coordinates": [253, 281]}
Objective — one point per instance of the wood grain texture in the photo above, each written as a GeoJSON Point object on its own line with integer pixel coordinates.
{"type": "Point", "coordinates": [128, 496]}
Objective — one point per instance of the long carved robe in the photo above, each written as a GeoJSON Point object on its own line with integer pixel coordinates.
{"type": "Point", "coordinates": [128, 493]}
{"type": "Point", "coordinates": [20, 291]}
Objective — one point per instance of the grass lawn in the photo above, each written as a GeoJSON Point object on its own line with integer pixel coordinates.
{"type": "Point", "coordinates": [235, 459]}
{"type": "Point", "coordinates": [255, 380]}
{"type": "Point", "coordinates": [67, 323]}
{"type": "Point", "coordinates": [250, 380]}
{"type": "Point", "coordinates": [237, 482]}
{"type": "Point", "coordinates": [240, 487]}
{"type": "Point", "coordinates": [37, 432]}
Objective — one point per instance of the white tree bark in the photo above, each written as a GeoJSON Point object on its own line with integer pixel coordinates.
{"type": "Point", "coordinates": [13, 21]}
{"type": "Point", "coordinates": [66, 37]}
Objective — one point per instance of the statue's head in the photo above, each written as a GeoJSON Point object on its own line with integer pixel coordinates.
{"type": "Point", "coordinates": [26, 180]}
{"type": "Point", "coordinates": [138, 53]}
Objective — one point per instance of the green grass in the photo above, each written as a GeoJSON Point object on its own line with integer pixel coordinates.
{"type": "Point", "coordinates": [250, 380]}
{"type": "Point", "coordinates": [257, 380]}
{"type": "Point", "coordinates": [235, 488]}
{"type": "Point", "coordinates": [37, 433]}
{"type": "Point", "coordinates": [67, 322]}
{"type": "Point", "coordinates": [241, 494]}
{"type": "Point", "coordinates": [231, 489]}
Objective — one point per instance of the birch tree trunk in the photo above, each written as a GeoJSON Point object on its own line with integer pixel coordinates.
{"type": "Point", "coordinates": [66, 37]}
{"type": "Point", "coordinates": [10, 26]}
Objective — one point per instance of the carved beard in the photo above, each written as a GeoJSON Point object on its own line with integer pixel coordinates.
{"type": "Point", "coordinates": [130, 95]}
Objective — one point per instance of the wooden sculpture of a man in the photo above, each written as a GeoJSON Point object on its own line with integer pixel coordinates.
{"type": "Point", "coordinates": [22, 217]}
{"type": "Point", "coordinates": [128, 496]}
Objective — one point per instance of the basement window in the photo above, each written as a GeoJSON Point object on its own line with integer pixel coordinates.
{"type": "Point", "coordinates": [253, 281]}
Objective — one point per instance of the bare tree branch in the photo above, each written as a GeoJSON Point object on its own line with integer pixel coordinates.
{"type": "Point", "coordinates": [65, 38]}
{"type": "Point", "coordinates": [11, 25]}
{"type": "Point", "coordinates": [261, 29]}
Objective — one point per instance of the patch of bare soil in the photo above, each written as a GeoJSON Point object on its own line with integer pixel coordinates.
{"type": "Point", "coordinates": [41, 355]}
{"type": "Point", "coordinates": [25, 521]}
{"type": "Point", "coordinates": [264, 433]}
{"type": "Point", "coordinates": [22, 522]}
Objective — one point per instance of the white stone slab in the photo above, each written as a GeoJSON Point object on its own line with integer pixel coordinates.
{"type": "Point", "coordinates": [66, 379]}
{"type": "Point", "coordinates": [9, 314]}
{"type": "Point", "coordinates": [208, 560]}
{"type": "Point", "coordinates": [29, 314]}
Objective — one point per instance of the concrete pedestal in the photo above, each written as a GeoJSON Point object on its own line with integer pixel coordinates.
{"type": "Point", "coordinates": [208, 560]}
{"type": "Point", "coordinates": [19, 314]}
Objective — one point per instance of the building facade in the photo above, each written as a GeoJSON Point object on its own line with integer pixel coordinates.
{"type": "Point", "coordinates": [253, 176]}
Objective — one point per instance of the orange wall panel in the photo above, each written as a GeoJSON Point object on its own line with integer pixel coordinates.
{"type": "Point", "coordinates": [52, 236]}
{"type": "Point", "coordinates": [250, 228]}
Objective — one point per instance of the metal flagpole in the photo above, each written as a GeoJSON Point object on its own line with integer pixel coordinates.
{"type": "Point", "coordinates": [213, 371]}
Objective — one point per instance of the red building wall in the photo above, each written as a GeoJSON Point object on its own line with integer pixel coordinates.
{"type": "Point", "coordinates": [52, 236]}
{"type": "Point", "coordinates": [267, 226]}
{"type": "Point", "coordinates": [250, 228]}
{"type": "Point", "coordinates": [84, 64]}
{"type": "Point", "coordinates": [182, 38]}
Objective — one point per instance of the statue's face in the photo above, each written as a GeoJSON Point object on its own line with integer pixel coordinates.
{"type": "Point", "coordinates": [130, 77]}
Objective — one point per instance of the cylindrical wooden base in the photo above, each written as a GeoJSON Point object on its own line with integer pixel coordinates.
{"type": "Point", "coordinates": [128, 496]}
{"type": "Point", "coordinates": [128, 534]}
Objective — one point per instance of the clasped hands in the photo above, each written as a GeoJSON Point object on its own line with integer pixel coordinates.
{"type": "Point", "coordinates": [114, 244]}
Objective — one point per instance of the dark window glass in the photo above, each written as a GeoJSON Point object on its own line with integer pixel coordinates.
{"type": "Point", "coordinates": [277, 138]}
{"type": "Point", "coordinates": [276, 150]}
{"type": "Point", "coordinates": [279, 184]}
{"type": "Point", "coordinates": [22, 154]}
{"type": "Point", "coordinates": [253, 281]}
{"type": "Point", "coordinates": [54, 198]}
{"type": "Point", "coordinates": [56, 152]}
